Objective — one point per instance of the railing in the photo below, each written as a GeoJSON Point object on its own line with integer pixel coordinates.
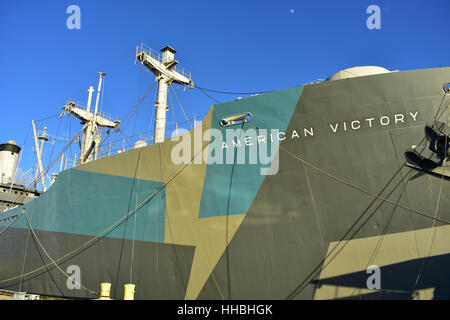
{"type": "Point", "coordinates": [112, 144]}
{"type": "Point", "coordinates": [157, 56]}
{"type": "Point", "coordinates": [182, 71]}
{"type": "Point", "coordinates": [127, 143]}
{"type": "Point", "coordinates": [105, 115]}
{"type": "Point", "coordinates": [152, 53]}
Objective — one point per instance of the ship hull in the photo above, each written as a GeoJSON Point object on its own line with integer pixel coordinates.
{"type": "Point", "coordinates": [336, 213]}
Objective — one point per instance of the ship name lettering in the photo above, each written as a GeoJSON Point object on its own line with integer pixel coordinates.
{"type": "Point", "coordinates": [369, 122]}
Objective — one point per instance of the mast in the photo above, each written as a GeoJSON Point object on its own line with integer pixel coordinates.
{"type": "Point", "coordinates": [91, 121]}
{"type": "Point", "coordinates": [39, 155]}
{"type": "Point", "coordinates": [165, 68]}
{"type": "Point", "coordinates": [97, 137]}
{"type": "Point", "coordinates": [87, 130]}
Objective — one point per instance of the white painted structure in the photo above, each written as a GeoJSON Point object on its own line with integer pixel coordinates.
{"type": "Point", "coordinates": [9, 157]}
{"type": "Point", "coordinates": [140, 144]}
{"type": "Point", "coordinates": [357, 72]}
{"type": "Point", "coordinates": [91, 122]}
{"type": "Point", "coordinates": [165, 68]}
{"type": "Point", "coordinates": [39, 154]}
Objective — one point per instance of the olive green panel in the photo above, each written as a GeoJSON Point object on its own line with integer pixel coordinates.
{"type": "Point", "coordinates": [328, 184]}
{"type": "Point", "coordinates": [408, 263]}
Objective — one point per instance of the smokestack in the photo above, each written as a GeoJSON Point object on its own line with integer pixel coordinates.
{"type": "Point", "coordinates": [9, 157]}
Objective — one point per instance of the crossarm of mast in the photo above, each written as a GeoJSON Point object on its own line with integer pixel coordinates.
{"type": "Point", "coordinates": [159, 67]}
{"type": "Point", "coordinates": [86, 116]}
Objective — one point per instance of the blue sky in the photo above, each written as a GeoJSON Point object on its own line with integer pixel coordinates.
{"type": "Point", "coordinates": [232, 45]}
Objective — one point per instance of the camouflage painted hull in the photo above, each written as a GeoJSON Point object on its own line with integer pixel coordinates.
{"type": "Point", "coordinates": [342, 200]}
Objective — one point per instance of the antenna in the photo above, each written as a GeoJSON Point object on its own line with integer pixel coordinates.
{"type": "Point", "coordinates": [91, 122]}
{"type": "Point", "coordinates": [166, 70]}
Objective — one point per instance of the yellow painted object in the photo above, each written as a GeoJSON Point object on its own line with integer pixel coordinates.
{"type": "Point", "coordinates": [129, 292]}
{"type": "Point", "coordinates": [105, 291]}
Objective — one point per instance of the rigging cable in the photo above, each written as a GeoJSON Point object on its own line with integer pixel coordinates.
{"type": "Point", "coordinates": [139, 94]}
{"type": "Point", "coordinates": [436, 209]}
{"type": "Point", "coordinates": [181, 106]}
{"type": "Point", "coordinates": [233, 93]}
{"type": "Point", "coordinates": [50, 117]}
{"type": "Point", "coordinates": [126, 221]}
{"type": "Point", "coordinates": [378, 246]}
{"type": "Point", "coordinates": [189, 104]}
{"type": "Point", "coordinates": [437, 115]}
{"type": "Point", "coordinates": [9, 218]}
{"type": "Point", "coordinates": [304, 283]}
{"type": "Point", "coordinates": [315, 271]}
{"type": "Point", "coordinates": [201, 90]}
{"type": "Point", "coordinates": [434, 219]}
{"type": "Point", "coordinates": [20, 198]}
{"type": "Point", "coordinates": [385, 229]}
{"type": "Point", "coordinates": [70, 134]}
{"type": "Point", "coordinates": [26, 252]}
{"type": "Point", "coordinates": [53, 262]}
{"type": "Point", "coordinates": [136, 107]}
{"type": "Point", "coordinates": [119, 221]}
{"type": "Point", "coordinates": [109, 229]}
{"type": "Point", "coordinates": [205, 257]}
{"type": "Point", "coordinates": [56, 135]}
{"type": "Point", "coordinates": [134, 227]}
{"type": "Point", "coordinates": [437, 206]}
{"type": "Point", "coordinates": [173, 110]}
